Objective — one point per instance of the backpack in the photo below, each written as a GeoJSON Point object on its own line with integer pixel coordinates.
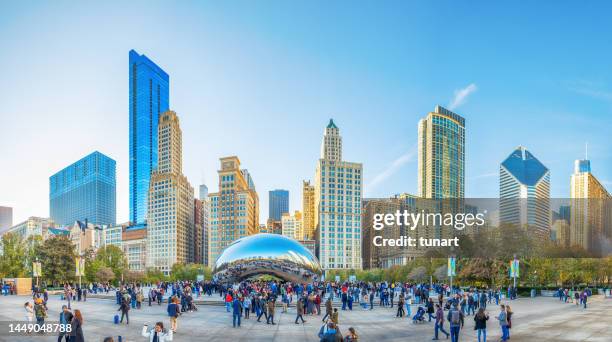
{"type": "Point", "coordinates": [455, 317]}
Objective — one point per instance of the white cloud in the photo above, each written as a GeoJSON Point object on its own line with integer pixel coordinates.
{"type": "Point", "coordinates": [391, 169]}
{"type": "Point", "coordinates": [461, 96]}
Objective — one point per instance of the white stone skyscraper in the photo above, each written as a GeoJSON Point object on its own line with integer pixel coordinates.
{"type": "Point", "coordinates": [338, 195]}
{"type": "Point", "coordinates": [170, 232]}
{"type": "Point", "coordinates": [524, 192]}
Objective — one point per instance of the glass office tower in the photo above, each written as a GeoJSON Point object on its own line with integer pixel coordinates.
{"type": "Point", "coordinates": [149, 97]}
{"type": "Point", "coordinates": [83, 191]}
{"type": "Point", "coordinates": [278, 204]}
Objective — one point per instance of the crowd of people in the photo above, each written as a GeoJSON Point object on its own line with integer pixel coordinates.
{"type": "Point", "coordinates": [261, 300]}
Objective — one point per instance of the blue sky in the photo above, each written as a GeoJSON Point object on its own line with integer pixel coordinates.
{"type": "Point", "coordinates": [260, 79]}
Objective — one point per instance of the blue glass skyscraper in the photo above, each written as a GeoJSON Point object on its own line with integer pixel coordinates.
{"type": "Point", "coordinates": [83, 191]}
{"type": "Point", "coordinates": [149, 97]}
{"type": "Point", "coordinates": [278, 204]}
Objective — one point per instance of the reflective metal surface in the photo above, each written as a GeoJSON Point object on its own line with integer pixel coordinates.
{"type": "Point", "coordinates": [271, 254]}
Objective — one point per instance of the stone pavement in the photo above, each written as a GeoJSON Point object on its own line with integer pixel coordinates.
{"type": "Point", "coordinates": [538, 319]}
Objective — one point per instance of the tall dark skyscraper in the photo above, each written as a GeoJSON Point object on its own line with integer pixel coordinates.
{"type": "Point", "coordinates": [149, 98]}
{"type": "Point", "coordinates": [278, 203]}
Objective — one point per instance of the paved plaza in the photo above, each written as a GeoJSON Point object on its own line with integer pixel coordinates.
{"type": "Point", "coordinates": [539, 319]}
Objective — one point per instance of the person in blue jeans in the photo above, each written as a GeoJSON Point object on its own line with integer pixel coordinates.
{"type": "Point", "coordinates": [480, 324]}
{"type": "Point", "coordinates": [503, 322]}
{"type": "Point", "coordinates": [439, 326]}
{"type": "Point", "coordinates": [455, 318]}
{"type": "Point", "coordinates": [236, 311]}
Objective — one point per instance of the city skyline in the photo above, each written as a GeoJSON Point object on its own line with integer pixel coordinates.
{"type": "Point", "coordinates": [554, 116]}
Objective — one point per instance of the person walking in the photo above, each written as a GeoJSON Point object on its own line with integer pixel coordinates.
{"type": "Point", "coordinates": [173, 313]}
{"type": "Point", "coordinates": [328, 308]}
{"type": "Point", "coordinates": [430, 308]}
{"type": "Point", "coordinates": [65, 318]}
{"type": "Point", "coordinates": [236, 311]}
{"type": "Point", "coordinates": [263, 308]}
{"type": "Point", "coordinates": [503, 322]}
{"type": "Point", "coordinates": [455, 319]}
{"type": "Point", "coordinates": [439, 324]}
{"type": "Point", "coordinates": [271, 308]}
{"type": "Point", "coordinates": [76, 325]}
{"type": "Point", "coordinates": [480, 324]}
{"type": "Point", "coordinates": [400, 306]}
{"type": "Point", "coordinates": [300, 311]}
{"type": "Point", "coordinates": [124, 308]}
{"type": "Point", "coordinates": [157, 334]}
{"type": "Point", "coordinates": [509, 314]}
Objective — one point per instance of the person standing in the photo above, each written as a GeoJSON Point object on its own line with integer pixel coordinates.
{"type": "Point", "coordinates": [439, 325]}
{"type": "Point", "coordinates": [173, 313]}
{"type": "Point", "coordinates": [124, 308]}
{"type": "Point", "coordinates": [29, 312]}
{"type": "Point", "coordinates": [400, 306]}
{"type": "Point", "coordinates": [157, 334]}
{"type": "Point", "coordinates": [334, 316]}
{"type": "Point", "coordinates": [503, 322]}
{"type": "Point", "coordinates": [236, 311]}
{"type": "Point", "coordinates": [76, 331]}
{"type": "Point", "coordinates": [65, 318]}
{"type": "Point", "coordinates": [509, 314]}
{"type": "Point", "coordinates": [40, 312]}
{"type": "Point", "coordinates": [480, 320]}
{"type": "Point", "coordinates": [455, 319]}
{"type": "Point", "coordinates": [247, 306]}
{"type": "Point", "coordinates": [271, 308]}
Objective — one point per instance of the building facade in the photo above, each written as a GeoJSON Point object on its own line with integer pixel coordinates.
{"type": "Point", "coordinates": [590, 211]}
{"type": "Point", "coordinates": [170, 221]}
{"type": "Point", "coordinates": [338, 195]}
{"type": "Point", "coordinates": [33, 226]}
{"type": "Point", "coordinates": [6, 218]}
{"type": "Point", "coordinates": [85, 190]}
{"type": "Point", "coordinates": [205, 223]}
{"type": "Point", "coordinates": [441, 155]}
{"type": "Point", "coordinates": [234, 209]}
{"type": "Point", "coordinates": [278, 204]}
{"type": "Point", "coordinates": [524, 192]}
{"type": "Point", "coordinates": [308, 210]}
{"type": "Point", "coordinates": [148, 98]}
{"type": "Point", "coordinates": [291, 225]}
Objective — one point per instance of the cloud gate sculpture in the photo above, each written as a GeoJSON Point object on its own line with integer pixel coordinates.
{"type": "Point", "coordinates": [270, 254]}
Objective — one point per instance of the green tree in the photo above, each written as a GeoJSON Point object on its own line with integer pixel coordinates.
{"type": "Point", "coordinates": [13, 258]}
{"type": "Point", "coordinates": [57, 257]}
{"type": "Point", "coordinates": [113, 257]}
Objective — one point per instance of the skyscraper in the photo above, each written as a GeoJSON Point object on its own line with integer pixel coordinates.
{"type": "Point", "coordinates": [170, 225]}
{"type": "Point", "coordinates": [84, 190]}
{"type": "Point", "coordinates": [278, 204]}
{"type": "Point", "coordinates": [308, 210]}
{"type": "Point", "coordinates": [441, 155]}
{"type": "Point", "coordinates": [234, 209]}
{"type": "Point", "coordinates": [205, 223]}
{"type": "Point", "coordinates": [149, 98]}
{"type": "Point", "coordinates": [590, 211]}
{"type": "Point", "coordinates": [524, 192]}
{"type": "Point", "coordinates": [6, 218]}
{"type": "Point", "coordinates": [338, 194]}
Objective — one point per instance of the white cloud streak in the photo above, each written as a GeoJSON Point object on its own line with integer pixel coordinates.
{"type": "Point", "coordinates": [461, 96]}
{"type": "Point", "coordinates": [391, 169]}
